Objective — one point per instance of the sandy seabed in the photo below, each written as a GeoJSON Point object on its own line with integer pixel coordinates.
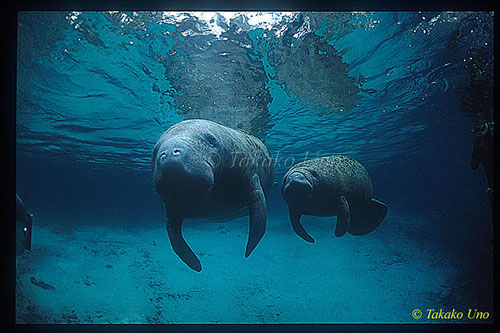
{"type": "Point", "coordinates": [93, 274]}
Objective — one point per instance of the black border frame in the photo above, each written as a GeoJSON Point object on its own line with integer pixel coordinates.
{"type": "Point", "coordinates": [8, 40]}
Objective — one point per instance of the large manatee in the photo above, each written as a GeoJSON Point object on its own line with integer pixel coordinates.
{"type": "Point", "coordinates": [332, 186]}
{"type": "Point", "coordinates": [204, 170]}
{"type": "Point", "coordinates": [24, 223]}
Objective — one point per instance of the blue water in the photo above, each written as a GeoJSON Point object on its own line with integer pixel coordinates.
{"type": "Point", "coordinates": [399, 92]}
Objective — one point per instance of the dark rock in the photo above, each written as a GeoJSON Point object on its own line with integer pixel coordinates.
{"type": "Point", "coordinates": [41, 284]}
{"type": "Point", "coordinates": [222, 230]}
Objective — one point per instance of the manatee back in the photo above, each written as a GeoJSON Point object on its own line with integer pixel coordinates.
{"type": "Point", "coordinates": [258, 158]}
{"type": "Point", "coordinates": [339, 175]}
{"type": "Point", "coordinates": [243, 152]}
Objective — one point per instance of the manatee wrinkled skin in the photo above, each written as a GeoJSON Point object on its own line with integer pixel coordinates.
{"type": "Point", "coordinates": [204, 170]}
{"type": "Point", "coordinates": [332, 186]}
{"type": "Point", "coordinates": [24, 223]}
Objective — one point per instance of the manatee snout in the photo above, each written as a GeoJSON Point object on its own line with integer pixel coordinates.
{"type": "Point", "coordinates": [296, 188]}
{"type": "Point", "coordinates": [175, 150]}
{"type": "Point", "coordinates": [180, 168]}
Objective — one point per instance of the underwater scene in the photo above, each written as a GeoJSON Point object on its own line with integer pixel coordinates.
{"type": "Point", "coordinates": [254, 167]}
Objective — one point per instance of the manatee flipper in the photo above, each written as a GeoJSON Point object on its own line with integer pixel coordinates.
{"type": "Point", "coordinates": [297, 227]}
{"type": "Point", "coordinates": [366, 220]}
{"type": "Point", "coordinates": [181, 248]}
{"type": "Point", "coordinates": [343, 216]}
{"type": "Point", "coordinates": [257, 212]}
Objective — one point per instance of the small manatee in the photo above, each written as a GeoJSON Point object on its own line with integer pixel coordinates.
{"type": "Point", "coordinates": [334, 185]}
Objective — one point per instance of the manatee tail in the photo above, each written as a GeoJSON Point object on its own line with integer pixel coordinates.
{"type": "Point", "coordinates": [179, 244]}
{"type": "Point", "coordinates": [367, 219]}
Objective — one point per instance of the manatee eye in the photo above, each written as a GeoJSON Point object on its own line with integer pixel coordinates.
{"type": "Point", "coordinates": [210, 139]}
{"type": "Point", "coordinates": [314, 173]}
